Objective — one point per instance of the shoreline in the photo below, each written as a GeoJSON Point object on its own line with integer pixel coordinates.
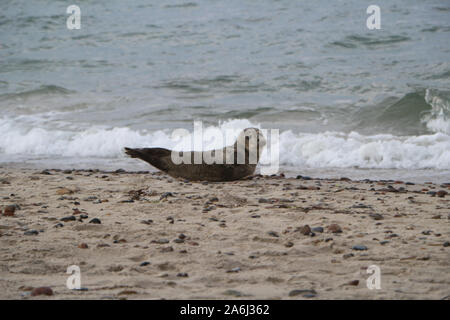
{"type": "Point", "coordinates": [355, 174]}
{"type": "Point", "coordinates": [260, 238]}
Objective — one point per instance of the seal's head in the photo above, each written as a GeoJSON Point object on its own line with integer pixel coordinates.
{"type": "Point", "coordinates": [254, 142]}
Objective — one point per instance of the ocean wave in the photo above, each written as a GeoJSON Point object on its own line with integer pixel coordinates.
{"type": "Point", "coordinates": [307, 150]}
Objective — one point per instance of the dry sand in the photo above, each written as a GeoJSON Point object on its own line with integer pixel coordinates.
{"type": "Point", "coordinates": [243, 240]}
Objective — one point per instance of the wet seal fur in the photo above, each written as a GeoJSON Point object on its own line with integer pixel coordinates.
{"type": "Point", "coordinates": [161, 159]}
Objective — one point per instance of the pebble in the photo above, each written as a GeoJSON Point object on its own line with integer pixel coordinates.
{"type": "Point", "coordinates": [8, 211]}
{"type": "Point", "coordinates": [234, 270]}
{"type": "Point", "coordinates": [317, 229]}
{"type": "Point", "coordinates": [90, 198]}
{"type": "Point", "coordinates": [359, 247]}
{"type": "Point", "coordinates": [305, 230]}
{"type": "Point", "coordinates": [31, 233]}
{"type": "Point", "coordinates": [441, 193]}
{"type": "Point", "coordinates": [95, 220]}
{"type": "Point", "coordinates": [273, 234]}
{"type": "Point", "coordinates": [165, 195]}
{"type": "Point", "coordinates": [83, 246]}
{"type": "Point", "coordinates": [63, 191]}
{"type": "Point", "coordinates": [161, 241]}
{"type": "Point", "coordinates": [353, 283]}
{"type": "Point", "coordinates": [182, 275]}
{"type": "Point", "coordinates": [68, 218]}
{"type": "Point", "coordinates": [334, 228]}
{"type": "Point", "coordinates": [446, 244]}
{"type": "Point", "coordinates": [360, 206]}
{"type": "Point", "coordinates": [42, 291]}
{"type": "Point", "coordinates": [289, 244]}
{"type": "Point", "coordinates": [305, 293]}
{"type": "Point", "coordinates": [145, 263]}
{"type": "Point", "coordinates": [376, 216]}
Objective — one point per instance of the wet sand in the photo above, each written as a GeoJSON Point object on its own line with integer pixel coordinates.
{"type": "Point", "coordinates": [260, 238]}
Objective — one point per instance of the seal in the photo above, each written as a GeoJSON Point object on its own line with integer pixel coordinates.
{"type": "Point", "coordinates": [227, 164]}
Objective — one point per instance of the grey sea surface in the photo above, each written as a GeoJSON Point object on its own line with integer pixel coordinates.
{"type": "Point", "coordinates": [347, 100]}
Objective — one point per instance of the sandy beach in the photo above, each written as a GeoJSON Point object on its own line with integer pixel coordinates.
{"type": "Point", "coordinates": [145, 235]}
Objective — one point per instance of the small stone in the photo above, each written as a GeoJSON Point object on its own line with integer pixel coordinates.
{"type": "Point", "coordinates": [96, 221]}
{"type": "Point", "coordinates": [289, 244]}
{"type": "Point", "coordinates": [334, 228]}
{"type": "Point", "coordinates": [165, 195]}
{"type": "Point", "coordinates": [348, 255]}
{"type": "Point", "coordinates": [446, 244]}
{"type": "Point", "coordinates": [305, 230]}
{"type": "Point", "coordinates": [376, 216]}
{"type": "Point", "coordinates": [83, 246]}
{"type": "Point", "coordinates": [160, 241]}
{"type": "Point", "coordinates": [68, 218]}
{"type": "Point", "coordinates": [8, 211]}
{"type": "Point", "coordinates": [360, 206]}
{"type": "Point", "coordinates": [42, 291]}
{"type": "Point", "coordinates": [63, 191]}
{"type": "Point", "coordinates": [310, 293]}
{"type": "Point", "coordinates": [263, 200]}
{"type": "Point", "coordinates": [317, 229]}
{"type": "Point", "coordinates": [359, 247]}
{"type": "Point", "coordinates": [126, 292]}
{"type": "Point", "coordinates": [90, 198]}
{"type": "Point", "coordinates": [234, 270]}
{"type": "Point", "coordinates": [182, 275]}
{"type": "Point", "coordinates": [58, 225]}
{"type": "Point", "coordinates": [441, 193]}
{"type": "Point", "coordinates": [145, 263]}
{"type": "Point", "coordinates": [273, 234]}
{"type": "Point", "coordinates": [31, 233]}
{"type": "Point", "coordinates": [353, 283]}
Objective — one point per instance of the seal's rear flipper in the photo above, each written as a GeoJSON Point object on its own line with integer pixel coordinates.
{"type": "Point", "coordinates": [157, 157]}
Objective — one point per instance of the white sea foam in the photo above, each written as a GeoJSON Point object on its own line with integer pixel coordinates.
{"type": "Point", "coordinates": [438, 120]}
{"type": "Point", "coordinates": [303, 150]}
